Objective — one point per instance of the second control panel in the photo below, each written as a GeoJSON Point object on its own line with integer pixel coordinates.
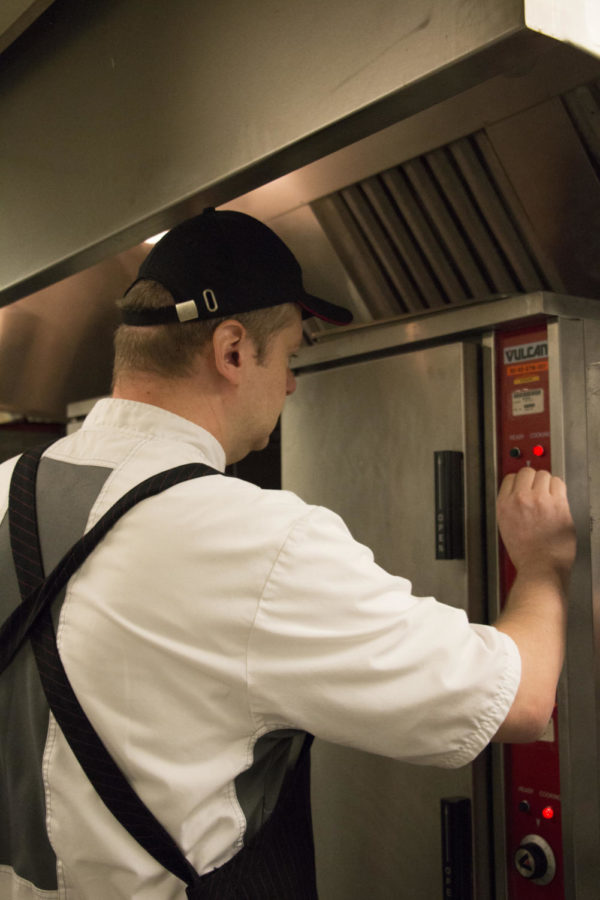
{"type": "Point", "coordinates": [533, 808]}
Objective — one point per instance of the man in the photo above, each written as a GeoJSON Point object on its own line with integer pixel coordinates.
{"type": "Point", "coordinates": [216, 623]}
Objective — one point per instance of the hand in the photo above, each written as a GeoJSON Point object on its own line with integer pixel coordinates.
{"type": "Point", "coordinates": [535, 522]}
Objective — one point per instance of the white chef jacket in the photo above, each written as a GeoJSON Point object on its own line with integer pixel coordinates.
{"type": "Point", "coordinates": [214, 614]}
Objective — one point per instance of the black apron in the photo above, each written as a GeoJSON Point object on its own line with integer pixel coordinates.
{"type": "Point", "coordinates": [278, 863]}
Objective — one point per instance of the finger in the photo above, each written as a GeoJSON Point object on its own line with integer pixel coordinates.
{"type": "Point", "coordinates": [507, 486]}
{"type": "Point", "coordinates": [525, 478]}
{"type": "Point", "coordinates": [557, 487]}
{"type": "Point", "coordinates": [541, 480]}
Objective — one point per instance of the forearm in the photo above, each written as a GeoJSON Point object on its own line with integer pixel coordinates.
{"type": "Point", "coordinates": [535, 617]}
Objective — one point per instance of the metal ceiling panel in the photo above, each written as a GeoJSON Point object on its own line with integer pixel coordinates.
{"type": "Point", "coordinates": [121, 118]}
{"type": "Point", "coordinates": [16, 16]}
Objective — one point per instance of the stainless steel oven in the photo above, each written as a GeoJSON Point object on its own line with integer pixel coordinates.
{"type": "Point", "coordinates": [405, 428]}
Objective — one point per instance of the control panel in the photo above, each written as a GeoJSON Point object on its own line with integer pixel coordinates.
{"type": "Point", "coordinates": [532, 781]}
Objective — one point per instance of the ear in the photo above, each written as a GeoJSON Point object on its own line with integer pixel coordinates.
{"type": "Point", "coordinates": [231, 345]}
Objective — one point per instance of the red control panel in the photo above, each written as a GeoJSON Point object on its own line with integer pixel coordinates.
{"type": "Point", "coordinates": [533, 808]}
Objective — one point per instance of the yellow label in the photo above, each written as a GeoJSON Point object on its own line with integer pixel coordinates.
{"type": "Point", "coordinates": [527, 379]}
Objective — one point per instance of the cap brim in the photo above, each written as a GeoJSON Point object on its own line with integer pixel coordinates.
{"type": "Point", "coordinates": [322, 309]}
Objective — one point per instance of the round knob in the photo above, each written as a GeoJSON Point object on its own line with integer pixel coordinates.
{"type": "Point", "coordinates": [535, 859]}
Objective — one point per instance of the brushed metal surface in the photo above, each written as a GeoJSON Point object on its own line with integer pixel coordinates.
{"type": "Point", "coordinates": [558, 187]}
{"type": "Point", "coordinates": [56, 345]}
{"type": "Point", "coordinates": [470, 318]}
{"type": "Point", "coordinates": [16, 16]}
{"type": "Point", "coordinates": [359, 439]}
{"type": "Point", "coordinates": [573, 349]}
{"type": "Point", "coordinates": [119, 119]}
{"type": "Point", "coordinates": [577, 23]}
{"type": "Point", "coordinates": [385, 418]}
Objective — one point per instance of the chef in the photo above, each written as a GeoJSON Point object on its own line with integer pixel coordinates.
{"type": "Point", "coordinates": [207, 628]}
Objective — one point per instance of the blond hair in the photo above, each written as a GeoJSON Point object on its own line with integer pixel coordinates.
{"type": "Point", "coordinates": [169, 350]}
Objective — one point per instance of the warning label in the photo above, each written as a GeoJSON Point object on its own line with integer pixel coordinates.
{"type": "Point", "coordinates": [526, 402]}
{"type": "Point", "coordinates": [540, 365]}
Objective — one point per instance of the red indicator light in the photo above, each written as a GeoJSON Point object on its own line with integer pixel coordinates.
{"type": "Point", "coordinates": [548, 812]}
{"type": "Point", "coordinates": [538, 450]}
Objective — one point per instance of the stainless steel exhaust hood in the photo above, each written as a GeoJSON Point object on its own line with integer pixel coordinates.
{"type": "Point", "coordinates": [120, 119]}
{"type": "Point", "coordinates": [16, 16]}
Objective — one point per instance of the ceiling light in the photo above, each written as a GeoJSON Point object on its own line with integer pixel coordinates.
{"type": "Point", "coordinates": [155, 239]}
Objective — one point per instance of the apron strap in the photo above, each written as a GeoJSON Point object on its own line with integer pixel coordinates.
{"type": "Point", "coordinates": [35, 621]}
{"type": "Point", "coordinates": [36, 592]}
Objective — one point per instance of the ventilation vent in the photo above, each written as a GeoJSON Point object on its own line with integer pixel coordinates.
{"type": "Point", "coordinates": [438, 230]}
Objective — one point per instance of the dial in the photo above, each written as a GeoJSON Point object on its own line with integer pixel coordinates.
{"type": "Point", "coordinates": [535, 859]}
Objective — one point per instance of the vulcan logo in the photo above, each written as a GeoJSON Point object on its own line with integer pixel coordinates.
{"type": "Point", "coordinates": [525, 352]}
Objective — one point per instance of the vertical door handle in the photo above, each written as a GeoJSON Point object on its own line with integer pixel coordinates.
{"type": "Point", "coordinates": [457, 849]}
{"type": "Point", "coordinates": [449, 504]}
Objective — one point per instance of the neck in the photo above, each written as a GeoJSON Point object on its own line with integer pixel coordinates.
{"type": "Point", "coordinates": [180, 396]}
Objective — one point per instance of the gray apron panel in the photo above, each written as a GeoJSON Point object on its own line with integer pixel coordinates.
{"type": "Point", "coordinates": [65, 496]}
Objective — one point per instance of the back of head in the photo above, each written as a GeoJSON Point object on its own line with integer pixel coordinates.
{"type": "Point", "coordinates": [169, 350]}
{"type": "Point", "coordinates": [215, 266]}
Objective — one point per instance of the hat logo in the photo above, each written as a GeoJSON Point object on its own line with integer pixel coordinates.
{"type": "Point", "coordinates": [210, 301]}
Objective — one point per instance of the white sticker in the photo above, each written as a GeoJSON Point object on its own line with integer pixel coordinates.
{"type": "Point", "coordinates": [525, 352]}
{"type": "Point", "coordinates": [526, 402]}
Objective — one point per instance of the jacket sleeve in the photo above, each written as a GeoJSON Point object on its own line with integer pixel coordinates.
{"type": "Point", "coordinates": [344, 650]}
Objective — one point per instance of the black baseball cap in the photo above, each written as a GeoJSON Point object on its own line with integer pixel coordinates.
{"type": "Point", "coordinates": [222, 263]}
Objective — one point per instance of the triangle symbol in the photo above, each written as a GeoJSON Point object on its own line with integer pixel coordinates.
{"type": "Point", "coordinates": [526, 862]}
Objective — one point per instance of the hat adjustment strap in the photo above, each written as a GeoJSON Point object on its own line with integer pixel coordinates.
{"type": "Point", "coordinates": [187, 310]}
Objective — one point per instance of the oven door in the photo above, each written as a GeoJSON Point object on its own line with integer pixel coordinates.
{"type": "Point", "coordinates": [361, 438]}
